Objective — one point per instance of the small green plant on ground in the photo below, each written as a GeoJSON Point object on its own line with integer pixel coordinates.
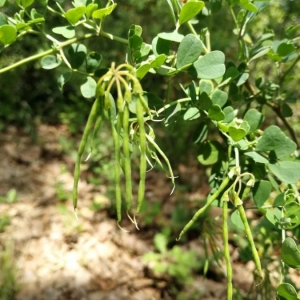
{"type": "Point", "coordinates": [8, 273]}
{"type": "Point", "coordinates": [175, 262]}
{"type": "Point", "coordinates": [233, 101]}
{"type": "Point", "coordinates": [10, 197]}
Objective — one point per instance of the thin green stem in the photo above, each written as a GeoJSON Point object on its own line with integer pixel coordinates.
{"type": "Point", "coordinates": [226, 250]}
{"type": "Point", "coordinates": [113, 37]}
{"type": "Point", "coordinates": [193, 31]}
{"type": "Point", "coordinates": [60, 46]}
{"type": "Point", "coordinates": [256, 258]}
{"type": "Point", "coordinates": [47, 52]}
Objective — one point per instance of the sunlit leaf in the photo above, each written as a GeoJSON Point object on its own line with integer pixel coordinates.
{"type": "Point", "coordinates": [66, 31]}
{"type": "Point", "coordinates": [77, 53]}
{"type": "Point", "coordinates": [93, 62]}
{"type": "Point", "coordinates": [287, 292]}
{"type": "Point", "coordinates": [8, 34]}
{"type": "Point", "coordinates": [286, 171]}
{"type": "Point", "coordinates": [88, 88]}
{"type": "Point", "coordinates": [103, 12]}
{"type": "Point", "coordinates": [188, 51]}
{"type": "Point", "coordinates": [50, 62]}
{"type": "Point", "coordinates": [62, 79]}
{"type": "Point", "coordinates": [73, 15]}
{"type": "Point", "coordinates": [261, 192]}
{"type": "Point", "coordinates": [210, 66]}
{"type": "Point", "coordinates": [190, 10]}
{"type": "Point", "coordinates": [290, 253]}
{"type": "Point", "coordinates": [210, 152]}
{"type": "Point", "coordinates": [192, 113]}
{"type": "Point", "coordinates": [254, 118]}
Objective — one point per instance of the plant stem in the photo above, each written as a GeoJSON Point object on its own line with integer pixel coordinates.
{"type": "Point", "coordinates": [60, 46]}
{"type": "Point", "coordinates": [226, 250]}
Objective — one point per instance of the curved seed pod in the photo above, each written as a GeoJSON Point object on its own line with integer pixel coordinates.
{"type": "Point", "coordinates": [98, 123]}
{"type": "Point", "coordinates": [127, 159]}
{"type": "Point", "coordinates": [88, 127]}
{"type": "Point", "coordinates": [116, 140]}
{"type": "Point", "coordinates": [256, 259]}
{"type": "Point", "coordinates": [143, 161]}
{"type": "Point", "coordinates": [226, 249]}
{"type": "Point", "coordinates": [210, 200]}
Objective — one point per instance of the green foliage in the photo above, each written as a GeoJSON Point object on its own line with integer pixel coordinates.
{"type": "Point", "coordinates": [225, 92]}
{"type": "Point", "coordinates": [175, 262]}
{"type": "Point", "coordinates": [10, 197]}
{"type": "Point", "coordinates": [8, 273]}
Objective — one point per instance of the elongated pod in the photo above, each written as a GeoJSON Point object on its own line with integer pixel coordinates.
{"type": "Point", "coordinates": [94, 113]}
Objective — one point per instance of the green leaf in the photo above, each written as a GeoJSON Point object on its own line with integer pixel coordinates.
{"type": "Point", "coordinates": [257, 157]}
{"type": "Point", "coordinates": [171, 36]}
{"type": "Point", "coordinates": [236, 220]}
{"type": "Point", "coordinates": [261, 192]}
{"type": "Point", "coordinates": [291, 31]}
{"type": "Point", "coordinates": [292, 210]}
{"type": "Point", "coordinates": [8, 34]}
{"type": "Point", "coordinates": [90, 9]}
{"type": "Point", "coordinates": [144, 68]}
{"type": "Point", "coordinates": [77, 53]}
{"type": "Point", "coordinates": [160, 46]}
{"type": "Point", "coordinates": [2, 2]}
{"type": "Point", "coordinates": [210, 66]}
{"type": "Point", "coordinates": [219, 97]}
{"type": "Point", "coordinates": [103, 12]}
{"type": "Point", "coordinates": [26, 3]}
{"type": "Point", "coordinates": [50, 62]}
{"type": "Point", "coordinates": [274, 139]}
{"type": "Point", "coordinates": [160, 242]}
{"type": "Point", "coordinates": [145, 49]}
{"type": "Point", "coordinates": [205, 86]}
{"type": "Point", "coordinates": [135, 30]}
{"type": "Point", "coordinates": [287, 292]}
{"type": "Point", "coordinates": [215, 113]}
{"type": "Point", "coordinates": [62, 79]}
{"type": "Point", "coordinates": [191, 114]}
{"type": "Point", "coordinates": [209, 153]}
{"type": "Point", "coordinates": [188, 51]}
{"type": "Point", "coordinates": [93, 62]}
{"type": "Point", "coordinates": [285, 49]}
{"type": "Point", "coordinates": [248, 5]}
{"type": "Point", "coordinates": [158, 61]}
{"type": "Point", "coordinates": [205, 102]}
{"type": "Point", "coordinates": [236, 133]}
{"type": "Point", "coordinates": [200, 134]}
{"type": "Point", "coordinates": [66, 31]}
{"type": "Point", "coordinates": [88, 88]}
{"type": "Point", "coordinates": [286, 171]}
{"type": "Point", "coordinates": [215, 5]}
{"type": "Point", "coordinates": [290, 253]}
{"type": "Point", "coordinates": [286, 110]}
{"type": "Point", "coordinates": [243, 78]}
{"type": "Point", "coordinates": [229, 114]}
{"type": "Point", "coordinates": [135, 42]}
{"type": "Point", "coordinates": [3, 19]}
{"type": "Point", "coordinates": [254, 118]}
{"type": "Point", "coordinates": [73, 15]}
{"type": "Point", "coordinates": [190, 10]}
